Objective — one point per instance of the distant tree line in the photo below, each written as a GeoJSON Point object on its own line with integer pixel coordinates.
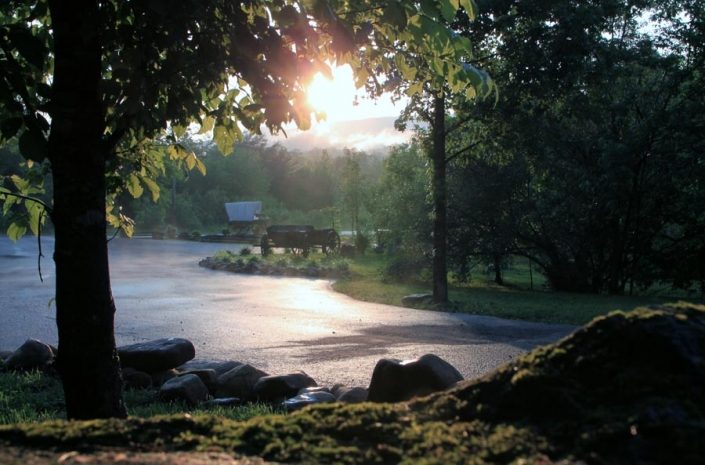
{"type": "Point", "coordinates": [319, 187]}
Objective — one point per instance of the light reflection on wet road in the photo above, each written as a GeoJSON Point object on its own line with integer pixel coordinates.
{"type": "Point", "coordinates": [277, 324]}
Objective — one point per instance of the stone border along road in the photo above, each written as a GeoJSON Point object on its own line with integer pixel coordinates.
{"type": "Point", "coordinates": [277, 324]}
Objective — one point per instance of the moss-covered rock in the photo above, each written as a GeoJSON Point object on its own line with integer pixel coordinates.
{"type": "Point", "coordinates": [627, 388]}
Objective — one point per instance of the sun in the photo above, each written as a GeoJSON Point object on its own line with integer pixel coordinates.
{"type": "Point", "coordinates": [334, 97]}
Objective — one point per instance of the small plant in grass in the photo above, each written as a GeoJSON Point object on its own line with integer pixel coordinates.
{"type": "Point", "coordinates": [245, 251]}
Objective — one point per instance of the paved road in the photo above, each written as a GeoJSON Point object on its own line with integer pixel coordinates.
{"type": "Point", "coordinates": [277, 324]}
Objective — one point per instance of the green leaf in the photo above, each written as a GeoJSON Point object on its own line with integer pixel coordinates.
{"type": "Point", "coordinates": [430, 9]}
{"type": "Point", "coordinates": [224, 139]}
{"type": "Point", "coordinates": [207, 124]}
{"type": "Point", "coordinates": [15, 231]}
{"type": "Point", "coordinates": [28, 45]}
{"type": "Point", "coordinates": [470, 8]}
{"type": "Point", "coordinates": [179, 131]}
{"type": "Point", "coordinates": [395, 15]}
{"type": "Point", "coordinates": [448, 9]}
{"type": "Point", "coordinates": [415, 88]}
{"type": "Point", "coordinates": [33, 145]}
{"type": "Point", "coordinates": [153, 187]}
{"type": "Point", "coordinates": [8, 202]}
{"type": "Point", "coordinates": [134, 187]}
{"type": "Point", "coordinates": [200, 166]}
{"type": "Point", "coordinates": [407, 71]}
{"type": "Point", "coordinates": [10, 126]}
{"type": "Point", "coordinates": [35, 212]}
{"type": "Point", "coordinates": [22, 185]}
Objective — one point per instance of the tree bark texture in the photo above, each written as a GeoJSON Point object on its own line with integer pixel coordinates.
{"type": "Point", "coordinates": [87, 359]}
{"type": "Point", "coordinates": [439, 188]}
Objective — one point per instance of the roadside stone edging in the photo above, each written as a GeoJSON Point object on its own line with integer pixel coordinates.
{"type": "Point", "coordinates": [257, 267]}
{"type": "Point", "coordinates": [167, 366]}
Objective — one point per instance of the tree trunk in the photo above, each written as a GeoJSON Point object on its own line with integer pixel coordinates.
{"type": "Point", "coordinates": [438, 191]}
{"type": "Point", "coordinates": [498, 270]}
{"type": "Point", "coordinates": [87, 359]}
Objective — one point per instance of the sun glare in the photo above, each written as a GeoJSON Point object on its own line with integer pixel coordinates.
{"type": "Point", "coordinates": [334, 97]}
{"type": "Point", "coordinates": [337, 98]}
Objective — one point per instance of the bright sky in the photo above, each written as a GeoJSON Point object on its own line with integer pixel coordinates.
{"type": "Point", "coordinates": [344, 125]}
{"type": "Point", "coordinates": [336, 98]}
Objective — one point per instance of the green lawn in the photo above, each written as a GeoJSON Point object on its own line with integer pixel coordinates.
{"type": "Point", "coordinates": [33, 397]}
{"type": "Point", "coordinates": [483, 297]}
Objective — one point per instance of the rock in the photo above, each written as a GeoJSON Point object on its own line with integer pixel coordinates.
{"type": "Point", "coordinates": [54, 350]}
{"type": "Point", "coordinates": [157, 355]}
{"type": "Point", "coordinates": [353, 395]}
{"type": "Point", "coordinates": [223, 402]}
{"type": "Point", "coordinates": [309, 390]}
{"type": "Point", "coordinates": [238, 382]}
{"type": "Point", "coordinates": [276, 388]}
{"type": "Point", "coordinates": [187, 388]}
{"type": "Point", "coordinates": [416, 299]}
{"type": "Point", "coordinates": [220, 367]}
{"type": "Point", "coordinates": [394, 381]}
{"type": "Point", "coordinates": [303, 400]}
{"type": "Point", "coordinates": [134, 379]}
{"type": "Point", "coordinates": [209, 377]}
{"type": "Point", "coordinates": [163, 376]}
{"type": "Point", "coordinates": [33, 354]}
{"type": "Point", "coordinates": [5, 354]}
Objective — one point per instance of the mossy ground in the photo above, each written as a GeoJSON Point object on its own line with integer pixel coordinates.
{"type": "Point", "coordinates": [628, 388]}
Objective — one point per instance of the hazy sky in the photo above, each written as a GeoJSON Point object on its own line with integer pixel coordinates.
{"type": "Point", "coordinates": [363, 124]}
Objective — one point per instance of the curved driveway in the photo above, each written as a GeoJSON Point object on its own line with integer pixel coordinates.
{"type": "Point", "coordinates": [276, 324]}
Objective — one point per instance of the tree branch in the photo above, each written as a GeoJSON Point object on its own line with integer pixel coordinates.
{"type": "Point", "coordinates": [461, 151]}
{"type": "Point", "coordinates": [25, 197]}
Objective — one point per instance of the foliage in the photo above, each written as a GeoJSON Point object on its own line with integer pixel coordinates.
{"type": "Point", "coordinates": [585, 164]}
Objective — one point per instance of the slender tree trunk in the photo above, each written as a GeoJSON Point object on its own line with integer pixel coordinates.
{"type": "Point", "coordinates": [87, 360]}
{"type": "Point", "coordinates": [498, 270]}
{"type": "Point", "coordinates": [438, 190]}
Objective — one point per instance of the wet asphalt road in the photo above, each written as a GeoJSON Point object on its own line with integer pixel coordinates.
{"type": "Point", "coordinates": [276, 324]}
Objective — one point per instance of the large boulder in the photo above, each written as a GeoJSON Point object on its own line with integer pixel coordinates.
{"type": "Point", "coordinates": [277, 388]}
{"type": "Point", "coordinates": [395, 381]}
{"type": "Point", "coordinates": [352, 395]}
{"type": "Point", "coordinates": [187, 388]}
{"type": "Point", "coordinates": [238, 382]}
{"type": "Point", "coordinates": [135, 379]}
{"type": "Point", "coordinates": [220, 367]}
{"type": "Point", "coordinates": [157, 355]}
{"type": "Point", "coordinates": [414, 300]}
{"type": "Point", "coordinates": [209, 377]}
{"type": "Point", "coordinates": [33, 354]}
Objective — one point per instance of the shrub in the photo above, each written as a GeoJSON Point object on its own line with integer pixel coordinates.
{"type": "Point", "coordinates": [405, 266]}
{"type": "Point", "coordinates": [245, 251]}
{"type": "Point", "coordinates": [362, 242]}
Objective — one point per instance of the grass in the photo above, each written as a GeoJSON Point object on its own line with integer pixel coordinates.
{"type": "Point", "coordinates": [35, 397]}
{"type": "Point", "coordinates": [483, 297]}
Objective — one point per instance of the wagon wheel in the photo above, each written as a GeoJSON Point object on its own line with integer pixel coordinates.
{"type": "Point", "coordinates": [264, 245]}
{"type": "Point", "coordinates": [332, 243]}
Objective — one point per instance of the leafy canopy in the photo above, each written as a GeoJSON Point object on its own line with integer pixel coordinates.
{"type": "Point", "coordinates": [224, 66]}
